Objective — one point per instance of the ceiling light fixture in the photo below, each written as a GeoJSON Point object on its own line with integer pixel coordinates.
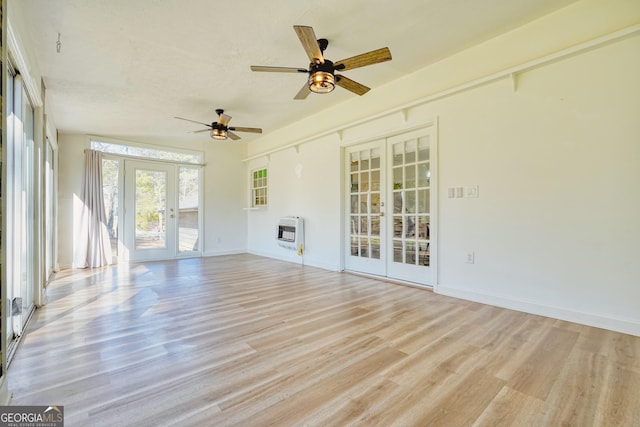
{"type": "Point", "coordinates": [321, 77]}
{"type": "Point", "coordinates": [217, 133]}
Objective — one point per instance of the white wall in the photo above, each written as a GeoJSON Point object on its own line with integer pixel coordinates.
{"type": "Point", "coordinates": [302, 182]}
{"type": "Point", "coordinates": [555, 156]}
{"type": "Point", "coordinates": [224, 186]}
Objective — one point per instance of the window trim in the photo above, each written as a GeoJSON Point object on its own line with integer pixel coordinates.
{"type": "Point", "coordinates": [252, 182]}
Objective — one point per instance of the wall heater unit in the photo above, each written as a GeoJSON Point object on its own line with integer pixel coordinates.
{"type": "Point", "coordinates": [290, 232]}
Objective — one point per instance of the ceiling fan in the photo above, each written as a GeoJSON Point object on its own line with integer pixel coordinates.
{"type": "Point", "coordinates": [322, 72]}
{"type": "Point", "coordinates": [221, 129]}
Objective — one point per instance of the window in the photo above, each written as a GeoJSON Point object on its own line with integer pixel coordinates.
{"type": "Point", "coordinates": [147, 151]}
{"type": "Point", "coordinates": [259, 187]}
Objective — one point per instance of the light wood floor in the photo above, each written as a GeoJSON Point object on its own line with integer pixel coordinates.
{"type": "Point", "coordinates": [249, 341]}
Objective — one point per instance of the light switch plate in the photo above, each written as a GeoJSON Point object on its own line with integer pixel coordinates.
{"type": "Point", "coordinates": [471, 191]}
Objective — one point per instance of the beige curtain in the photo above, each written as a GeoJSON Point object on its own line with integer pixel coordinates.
{"type": "Point", "coordinates": [93, 248]}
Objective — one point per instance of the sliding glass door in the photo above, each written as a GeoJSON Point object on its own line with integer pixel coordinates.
{"type": "Point", "coordinates": [20, 242]}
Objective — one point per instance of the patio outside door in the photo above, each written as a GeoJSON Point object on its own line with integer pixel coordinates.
{"type": "Point", "coordinates": [150, 215]}
{"type": "Point", "coordinates": [388, 210]}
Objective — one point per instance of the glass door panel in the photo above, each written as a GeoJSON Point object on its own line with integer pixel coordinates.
{"type": "Point", "coordinates": [150, 217]}
{"type": "Point", "coordinates": [188, 210]}
{"type": "Point", "coordinates": [411, 218]}
{"type": "Point", "coordinates": [366, 209]}
{"type": "Point", "coordinates": [397, 245]}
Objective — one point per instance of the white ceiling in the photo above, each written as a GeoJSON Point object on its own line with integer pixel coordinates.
{"type": "Point", "coordinates": [127, 67]}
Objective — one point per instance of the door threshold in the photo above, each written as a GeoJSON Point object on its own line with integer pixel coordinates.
{"type": "Point", "coordinates": [390, 280]}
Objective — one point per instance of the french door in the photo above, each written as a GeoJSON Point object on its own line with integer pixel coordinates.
{"type": "Point", "coordinates": [150, 211]}
{"type": "Point", "coordinates": [388, 212]}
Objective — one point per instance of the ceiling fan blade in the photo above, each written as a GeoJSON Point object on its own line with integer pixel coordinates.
{"type": "Point", "coordinates": [373, 57]}
{"type": "Point", "coordinates": [224, 119]}
{"type": "Point", "coordinates": [189, 120]}
{"type": "Point", "coordinates": [309, 43]}
{"type": "Point", "coordinates": [233, 136]}
{"type": "Point", "coordinates": [353, 86]}
{"type": "Point", "coordinates": [303, 92]}
{"type": "Point", "coordinates": [201, 130]}
{"type": "Point", "coordinates": [242, 129]}
{"type": "Point", "coordinates": [278, 69]}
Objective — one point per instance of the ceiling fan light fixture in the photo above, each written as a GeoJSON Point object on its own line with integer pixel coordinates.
{"type": "Point", "coordinates": [321, 82]}
{"type": "Point", "coordinates": [321, 77]}
{"type": "Point", "coordinates": [219, 134]}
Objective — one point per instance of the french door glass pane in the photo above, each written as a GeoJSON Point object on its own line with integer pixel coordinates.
{"type": "Point", "coordinates": [411, 207]}
{"type": "Point", "coordinates": [150, 209]}
{"type": "Point", "coordinates": [365, 203]}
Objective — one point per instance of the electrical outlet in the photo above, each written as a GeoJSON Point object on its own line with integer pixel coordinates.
{"type": "Point", "coordinates": [471, 257]}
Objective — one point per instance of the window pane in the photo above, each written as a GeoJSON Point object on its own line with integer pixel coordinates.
{"type": "Point", "coordinates": [354, 246]}
{"type": "Point", "coordinates": [188, 210]}
{"type": "Point", "coordinates": [364, 205]}
{"type": "Point", "coordinates": [148, 152]}
{"type": "Point", "coordinates": [397, 178]}
{"type": "Point", "coordinates": [410, 254]}
{"type": "Point", "coordinates": [259, 187]}
{"type": "Point", "coordinates": [375, 225]}
{"type": "Point", "coordinates": [423, 201]}
{"type": "Point", "coordinates": [354, 183]}
{"type": "Point", "coordinates": [397, 226]}
{"type": "Point", "coordinates": [354, 204]}
{"type": "Point", "coordinates": [375, 203]}
{"type": "Point", "coordinates": [423, 254]}
{"type": "Point", "coordinates": [397, 202]}
{"type": "Point", "coordinates": [397, 251]}
{"type": "Point", "coordinates": [110, 172]}
{"type": "Point", "coordinates": [375, 248]}
{"type": "Point", "coordinates": [364, 228]}
{"type": "Point", "coordinates": [423, 228]}
{"type": "Point", "coordinates": [150, 209]}
{"type": "Point", "coordinates": [424, 174]}
{"type": "Point", "coordinates": [423, 148]}
{"type": "Point", "coordinates": [410, 176]}
{"type": "Point", "coordinates": [410, 206]}
{"type": "Point", "coordinates": [397, 153]}
{"type": "Point", "coordinates": [375, 180]}
{"type": "Point", "coordinates": [364, 181]}
{"type": "Point", "coordinates": [410, 151]}
{"type": "Point", "coordinates": [410, 226]}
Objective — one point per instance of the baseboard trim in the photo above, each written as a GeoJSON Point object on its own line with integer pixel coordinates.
{"type": "Point", "coordinates": [294, 258]}
{"type": "Point", "coordinates": [626, 326]}
{"type": "Point", "coordinates": [227, 252]}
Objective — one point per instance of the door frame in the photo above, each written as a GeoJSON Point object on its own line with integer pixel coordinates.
{"type": "Point", "coordinates": [430, 128]}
